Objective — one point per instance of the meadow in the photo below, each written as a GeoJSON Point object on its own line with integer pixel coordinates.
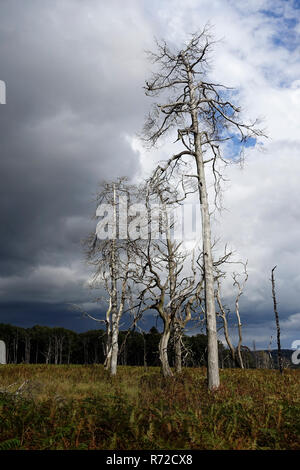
{"type": "Point", "coordinates": [61, 407]}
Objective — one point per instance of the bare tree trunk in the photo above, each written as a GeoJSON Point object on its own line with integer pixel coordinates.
{"type": "Point", "coordinates": [114, 300]}
{"type": "Point", "coordinates": [270, 362]}
{"type": "Point", "coordinates": [108, 338]}
{"type": "Point", "coordinates": [279, 355]}
{"type": "Point", "coordinates": [107, 361]}
{"type": "Point", "coordinates": [210, 311]}
{"type": "Point", "coordinates": [240, 287]}
{"type": "Point", "coordinates": [225, 325]}
{"type": "Point", "coordinates": [116, 316]}
{"type": "Point", "coordinates": [235, 352]}
{"type": "Point", "coordinates": [240, 334]}
{"type": "Point", "coordinates": [178, 349]}
{"type": "Point", "coordinates": [48, 352]}
{"type": "Point", "coordinates": [163, 350]}
{"type": "Point", "coordinates": [114, 345]}
{"type": "Point", "coordinates": [27, 349]}
{"type": "Point", "coordinates": [178, 355]}
{"type": "Point", "coordinates": [56, 350]}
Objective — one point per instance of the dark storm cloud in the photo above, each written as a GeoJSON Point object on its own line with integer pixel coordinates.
{"type": "Point", "coordinates": [74, 76]}
{"type": "Point", "coordinates": [45, 314]}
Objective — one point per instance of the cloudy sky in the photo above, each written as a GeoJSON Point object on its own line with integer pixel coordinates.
{"type": "Point", "coordinates": [74, 73]}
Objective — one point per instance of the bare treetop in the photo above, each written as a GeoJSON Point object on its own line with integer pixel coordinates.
{"type": "Point", "coordinates": [177, 70]}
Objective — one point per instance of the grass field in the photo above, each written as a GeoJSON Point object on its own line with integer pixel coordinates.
{"type": "Point", "coordinates": [81, 407]}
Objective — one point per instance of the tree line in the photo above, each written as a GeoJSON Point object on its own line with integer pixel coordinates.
{"type": "Point", "coordinates": [45, 345]}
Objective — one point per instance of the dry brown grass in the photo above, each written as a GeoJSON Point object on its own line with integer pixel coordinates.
{"type": "Point", "coordinates": [81, 407]}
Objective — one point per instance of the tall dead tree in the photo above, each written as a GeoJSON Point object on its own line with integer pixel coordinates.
{"type": "Point", "coordinates": [279, 355]}
{"type": "Point", "coordinates": [202, 116]}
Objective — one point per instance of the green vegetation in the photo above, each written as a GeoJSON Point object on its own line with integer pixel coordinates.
{"type": "Point", "coordinates": [81, 407]}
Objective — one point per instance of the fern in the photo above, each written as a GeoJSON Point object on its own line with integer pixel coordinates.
{"type": "Point", "coordinates": [10, 444]}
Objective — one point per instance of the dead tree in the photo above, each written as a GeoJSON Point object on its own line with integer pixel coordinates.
{"type": "Point", "coordinates": [240, 287]}
{"type": "Point", "coordinates": [270, 353]}
{"type": "Point", "coordinates": [108, 254]}
{"type": "Point", "coordinates": [279, 355]}
{"type": "Point", "coordinates": [48, 352]}
{"type": "Point", "coordinates": [158, 281]}
{"type": "Point", "coordinates": [202, 116]}
{"type": "Point", "coordinates": [223, 313]}
{"type": "Point", "coordinates": [166, 284]}
{"type": "Point", "coordinates": [58, 341]}
{"type": "Point", "coordinates": [182, 317]}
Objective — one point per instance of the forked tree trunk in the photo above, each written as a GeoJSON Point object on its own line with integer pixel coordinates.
{"type": "Point", "coordinates": [107, 361]}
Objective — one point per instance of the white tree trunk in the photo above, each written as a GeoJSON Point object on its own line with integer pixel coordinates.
{"type": "Point", "coordinates": [210, 310]}
{"type": "Point", "coordinates": [114, 345]}
{"type": "Point", "coordinates": [178, 354]}
{"type": "Point", "coordinates": [114, 301]}
{"type": "Point", "coordinates": [163, 351]}
{"type": "Point", "coordinates": [241, 363]}
{"type": "Point", "coordinates": [108, 338]}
